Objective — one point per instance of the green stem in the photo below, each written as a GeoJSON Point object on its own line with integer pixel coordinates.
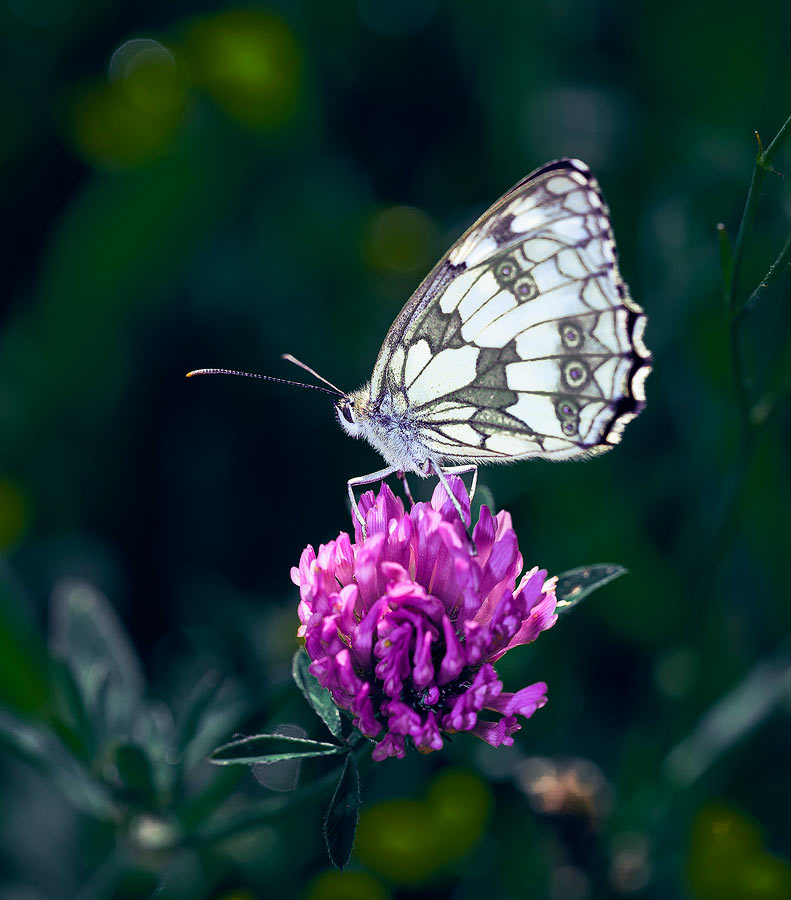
{"type": "Point", "coordinates": [780, 138]}
{"type": "Point", "coordinates": [775, 270]}
{"type": "Point", "coordinates": [739, 379]}
{"type": "Point", "coordinates": [762, 165]}
{"type": "Point", "coordinates": [726, 261]}
{"type": "Point", "coordinates": [745, 228]}
{"type": "Point", "coordinates": [732, 266]}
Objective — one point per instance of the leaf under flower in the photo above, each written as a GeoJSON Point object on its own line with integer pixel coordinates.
{"type": "Point", "coordinates": [340, 824]}
{"type": "Point", "coordinates": [576, 584]}
{"type": "Point", "coordinates": [318, 697]}
{"type": "Point", "coordinates": [271, 748]}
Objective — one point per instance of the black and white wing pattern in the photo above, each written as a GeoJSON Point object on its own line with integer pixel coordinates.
{"type": "Point", "coordinates": [523, 341]}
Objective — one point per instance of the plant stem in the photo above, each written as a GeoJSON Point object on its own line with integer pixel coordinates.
{"type": "Point", "coordinates": [767, 282]}
{"type": "Point", "coordinates": [780, 138]}
{"type": "Point", "coordinates": [731, 266]}
{"type": "Point", "coordinates": [731, 260]}
{"type": "Point", "coordinates": [726, 262]}
{"type": "Point", "coordinates": [763, 165]}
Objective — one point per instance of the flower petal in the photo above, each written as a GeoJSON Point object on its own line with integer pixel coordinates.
{"type": "Point", "coordinates": [497, 733]}
{"type": "Point", "coordinates": [444, 505]}
{"type": "Point", "coordinates": [523, 703]}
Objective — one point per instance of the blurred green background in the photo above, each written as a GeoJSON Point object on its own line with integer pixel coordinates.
{"type": "Point", "coordinates": [188, 184]}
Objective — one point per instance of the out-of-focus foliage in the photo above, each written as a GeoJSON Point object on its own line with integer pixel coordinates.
{"type": "Point", "coordinates": [189, 185]}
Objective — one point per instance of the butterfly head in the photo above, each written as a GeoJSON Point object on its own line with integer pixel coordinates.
{"type": "Point", "coordinates": [350, 410]}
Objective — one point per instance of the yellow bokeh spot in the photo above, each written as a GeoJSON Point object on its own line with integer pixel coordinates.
{"type": "Point", "coordinates": [109, 131]}
{"type": "Point", "coordinates": [727, 859]}
{"type": "Point", "coordinates": [14, 514]}
{"type": "Point", "coordinates": [249, 62]}
{"type": "Point", "coordinates": [409, 841]}
{"type": "Point", "coordinates": [346, 886]}
{"type": "Point", "coordinates": [460, 804]}
{"type": "Point", "coordinates": [401, 241]}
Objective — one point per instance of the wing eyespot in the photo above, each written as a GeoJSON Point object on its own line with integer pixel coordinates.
{"type": "Point", "coordinates": [575, 374]}
{"type": "Point", "coordinates": [506, 272]}
{"type": "Point", "coordinates": [571, 335]}
{"type": "Point", "coordinates": [525, 288]}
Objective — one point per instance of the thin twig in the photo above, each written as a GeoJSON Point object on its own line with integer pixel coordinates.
{"type": "Point", "coordinates": [731, 260]}
{"type": "Point", "coordinates": [726, 262]}
{"type": "Point", "coordinates": [780, 138]}
{"type": "Point", "coordinates": [767, 282]}
{"type": "Point", "coordinates": [763, 164]}
{"type": "Point", "coordinates": [732, 268]}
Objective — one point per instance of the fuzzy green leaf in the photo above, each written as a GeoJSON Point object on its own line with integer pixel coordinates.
{"type": "Point", "coordinates": [87, 634]}
{"type": "Point", "coordinates": [198, 702]}
{"type": "Point", "coordinates": [340, 824]}
{"type": "Point", "coordinates": [575, 585]}
{"type": "Point", "coordinates": [270, 748]}
{"type": "Point", "coordinates": [318, 697]}
{"type": "Point", "coordinates": [135, 774]}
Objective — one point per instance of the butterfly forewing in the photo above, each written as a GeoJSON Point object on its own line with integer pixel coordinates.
{"type": "Point", "coordinates": [523, 341]}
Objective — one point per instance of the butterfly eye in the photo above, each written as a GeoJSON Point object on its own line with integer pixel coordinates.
{"type": "Point", "coordinates": [346, 412]}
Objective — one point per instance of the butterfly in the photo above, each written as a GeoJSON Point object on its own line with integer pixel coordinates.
{"type": "Point", "coordinates": [522, 342]}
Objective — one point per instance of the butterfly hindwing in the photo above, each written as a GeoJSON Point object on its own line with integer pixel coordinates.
{"type": "Point", "coordinates": [523, 341]}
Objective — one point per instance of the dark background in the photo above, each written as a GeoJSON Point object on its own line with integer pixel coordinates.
{"type": "Point", "coordinates": [187, 184]}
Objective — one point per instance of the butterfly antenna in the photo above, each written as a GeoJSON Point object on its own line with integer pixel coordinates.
{"type": "Point", "coordinates": [313, 387]}
{"type": "Point", "coordinates": [297, 362]}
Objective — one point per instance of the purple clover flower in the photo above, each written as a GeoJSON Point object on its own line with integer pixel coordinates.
{"type": "Point", "coordinates": [405, 626]}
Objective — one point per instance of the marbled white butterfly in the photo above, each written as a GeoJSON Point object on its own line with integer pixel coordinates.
{"type": "Point", "coordinates": [521, 342]}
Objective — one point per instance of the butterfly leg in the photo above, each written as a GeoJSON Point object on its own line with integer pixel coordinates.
{"type": "Point", "coordinates": [465, 470]}
{"type": "Point", "coordinates": [402, 476]}
{"type": "Point", "coordinates": [456, 470]}
{"type": "Point", "coordinates": [361, 481]}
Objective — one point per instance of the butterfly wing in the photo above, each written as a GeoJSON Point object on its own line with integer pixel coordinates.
{"type": "Point", "coordinates": [522, 341]}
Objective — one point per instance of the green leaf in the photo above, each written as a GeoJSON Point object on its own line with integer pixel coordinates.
{"type": "Point", "coordinates": [135, 774]}
{"type": "Point", "coordinates": [340, 824]}
{"type": "Point", "coordinates": [270, 748]}
{"type": "Point", "coordinates": [281, 776]}
{"type": "Point", "coordinates": [198, 702]}
{"type": "Point", "coordinates": [88, 635]}
{"type": "Point", "coordinates": [318, 697]}
{"type": "Point", "coordinates": [36, 746]}
{"type": "Point", "coordinates": [70, 721]}
{"type": "Point", "coordinates": [576, 584]}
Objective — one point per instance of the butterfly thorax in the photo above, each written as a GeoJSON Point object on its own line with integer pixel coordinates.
{"type": "Point", "coordinates": [387, 425]}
